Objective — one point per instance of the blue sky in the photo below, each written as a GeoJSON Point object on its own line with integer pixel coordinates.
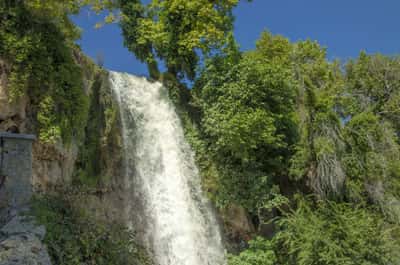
{"type": "Point", "coordinates": [343, 26]}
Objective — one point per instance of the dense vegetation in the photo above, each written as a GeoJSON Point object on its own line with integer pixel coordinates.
{"type": "Point", "coordinates": [284, 118]}
{"type": "Point", "coordinates": [74, 237]}
{"type": "Point", "coordinates": [36, 40]}
{"type": "Point", "coordinates": [45, 67]}
{"type": "Point", "coordinates": [308, 145]}
{"type": "Point", "coordinates": [176, 32]}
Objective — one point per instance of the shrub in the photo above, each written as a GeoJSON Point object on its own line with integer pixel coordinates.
{"type": "Point", "coordinates": [74, 238]}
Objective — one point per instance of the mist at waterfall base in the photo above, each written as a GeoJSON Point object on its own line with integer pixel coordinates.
{"type": "Point", "coordinates": [174, 221]}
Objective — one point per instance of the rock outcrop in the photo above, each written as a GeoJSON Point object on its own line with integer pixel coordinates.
{"type": "Point", "coordinates": [238, 228]}
{"type": "Point", "coordinates": [21, 242]}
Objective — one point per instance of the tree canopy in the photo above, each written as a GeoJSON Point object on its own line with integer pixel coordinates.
{"type": "Point", "coordinates": [283, 121]}
{"type": "Point", "coordinates": [176, 32]}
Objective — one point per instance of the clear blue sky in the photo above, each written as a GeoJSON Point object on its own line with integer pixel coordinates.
{"type": "Point", "coordinates": [343, 26]}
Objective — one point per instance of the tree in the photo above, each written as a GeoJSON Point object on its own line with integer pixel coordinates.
{"type": "Point", "coordinates": [247, 104]}
{"type": "Point", "coordinates": [373, 83]}
{"type": "Point", "coordinates": [176, 32]}
{"type": "Point", "coordinates": [317, 157]}
{"type": "Point", "coordinates": [325, 232]}
{"type": "Point", "coordinates": [335, 233]}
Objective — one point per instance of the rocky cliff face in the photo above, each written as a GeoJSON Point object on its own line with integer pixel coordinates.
{"type": "Point", "coordinates": [52, 163]}
{"type": "Point", "coordinates": [99, 164]}
{"type": "Point", "coordinates": [94, 160]}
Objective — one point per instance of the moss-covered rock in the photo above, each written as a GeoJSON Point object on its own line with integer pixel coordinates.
{"type": "Point", "coordinates": [100, 158]}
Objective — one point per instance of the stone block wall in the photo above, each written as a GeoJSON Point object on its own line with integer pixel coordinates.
{"type": "Point", "coordinates": [15, 170]}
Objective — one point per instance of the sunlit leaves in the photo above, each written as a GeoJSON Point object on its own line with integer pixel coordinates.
{"type": "Point", "coordinates": [335, 233]}
{"type": "Point", "coordinates": [176, 32]}
{"type": "Point", "coordinates": [248, 117]}
{"type": "Point", "coordinates": [37, 42]}
{"type": "Point", "coordinates": [260, 252]}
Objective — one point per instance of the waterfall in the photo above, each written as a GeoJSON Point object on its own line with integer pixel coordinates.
{"type": "Point", "coordinates": [172, 216]}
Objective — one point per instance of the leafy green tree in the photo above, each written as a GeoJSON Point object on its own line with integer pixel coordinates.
{"type": "Point", "coordinates": [371, 163]}
{"type": "Point", "coordinates": [325, 233]}
{"type": "Point", "coordinates": [287, 104]}
{"type": "Point", "coordinates": [248, 118]}
{"type": "Point", "coordinates": [335, 233]}
{"type": "Point", "coordinates": [177, 32]}
{"type": "Point", "coordinates": [368, 105]}
{"type": "Point", "coordinates": [373, 83]}
{"type": "Point", "coordinates": [317, 157]}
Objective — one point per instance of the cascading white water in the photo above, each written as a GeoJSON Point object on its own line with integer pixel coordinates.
{"type": "Point", "coordinates": [175, 219]}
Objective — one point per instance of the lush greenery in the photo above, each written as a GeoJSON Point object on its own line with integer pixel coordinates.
{"type": "Point", "coordinates": [39, 50]}
{"type": "Point", "coordinates": [282, 117]}
{"type": "Point", "coordinates": [100, 154]}
{"type": "Point", "coordinates": [259, 252]}
{"type": "Point", "coordinates": [307, 145]}
{"type": "Point", "coordinates": [176, 32]}
{"type": "Point", "coordinates": [47, 70]}
{"type": "Point", "coordinates": [73, 237]}
{"type": "Point", "coordinates": [325, 233]}
{"type": "Point", "coordinates": [248, 120]}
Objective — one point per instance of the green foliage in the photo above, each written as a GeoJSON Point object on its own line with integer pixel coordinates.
{"type": "Point", "coordinates": [317, 157]}
{"type": "Point", "coordinates": [281, 118]}
{"type": "Point", "coordinates": [74, 238]}
{"type": "Point", "coordinates": [247, 118]}
{"type": "Point", "coordinates": [50, 131]}
{"type": "Point", "coordinates": [89, 163]}
{"type": "Point", "coordinates": [57, 11]}
{"type": "Point", "coordinates": [335, 233]}
{"type": "Point", "coordinates": [260, 252]}
{"type": "Point", "coordinates": [39, 50]}
{"type": "Point", "coordinates": [284, 110]}
{"type": "Point", "coordinates": [374, 82]}
{"type": "Point", "coordinates": [371, 161]}
{"type": "Point", "coordinates": [326, 233]}
{"type": "Point", "coordinates": [374, 86]}
{"type": "Point", "coordinates": [101, 145]}
{"type": "Point", "coordinates": [369, 104]}
{"type": "Point", "coordinates": [175, 31]}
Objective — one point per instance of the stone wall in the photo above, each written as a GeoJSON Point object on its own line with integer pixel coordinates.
{"type": "Point", "coordinates": [15, 170]}
{"type": "Point", "coordinates": [20, 237]}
